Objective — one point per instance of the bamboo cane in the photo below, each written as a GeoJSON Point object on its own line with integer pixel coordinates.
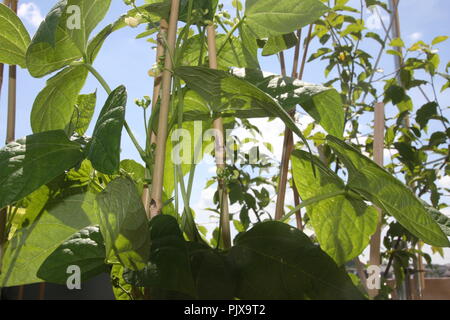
{"type": "Point", "coordinates": [158, 171]}
{"type": "Point", "coordinates": [378, 152]}
{"type": "Point", "coordinates": [219, 148]}
{"type": "Point", "coordinates": [12, 88]}
{"type": "Point", "coordinates": [160, 51]}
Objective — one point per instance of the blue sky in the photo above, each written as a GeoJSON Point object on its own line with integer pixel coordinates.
{"type": "Point", "coordinates": [125, 60]}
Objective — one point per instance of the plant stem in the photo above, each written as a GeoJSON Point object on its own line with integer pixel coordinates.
{"type": "Point", "coordinates": [158, 171]}
{"type": "Point", "coordinates": [220, 149]}
{"type": "Point", "coordinates": [229, 35]}
{"type": "Point", "coordinates": [311, 201]}
{"type": "Point", "coordinates": [108, 90]}
{"type": "Point", "coordinates": [288, 143]}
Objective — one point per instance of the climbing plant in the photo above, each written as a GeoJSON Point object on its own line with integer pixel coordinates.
{"type": "Point", "coordinates": [70, 200]}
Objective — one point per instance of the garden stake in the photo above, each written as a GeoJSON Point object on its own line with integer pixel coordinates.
{"type": "Point", "coordinates": [398, 59]}
{"type": "Point", "coordinates": [219, 149]}
{"type": "Point", "coordinates": [11, 122]}
{"type": "Point", "coordinates": [378, 151]}
{"type": "Point", "coordinates": [156, 91]}
{"type": "Point", "coordinates": [158, 171]}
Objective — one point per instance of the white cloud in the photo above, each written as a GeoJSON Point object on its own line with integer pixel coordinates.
{"type": "Point", "coordinates": [415, 36]}
{"type": "Point", "coordinates": [31, 13]}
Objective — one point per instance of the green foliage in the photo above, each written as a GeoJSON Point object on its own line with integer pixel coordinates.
{"type": "Point", "coordinates": [29, 163]}
{"type": "Point", "coordinates": [343, 225]}
{"type": "Point", "coordinates": [58, 41]}
{"type": "Point", "coordinates": [104, 149]}
{"type": "Point", "coordinates": [14, 38]}
{"type": "Point", "coordinates": [278, 17]}
{"type": "Point", "coordinates": [83, 113]}
{"type": "Point", "coordinates": [290, 264]}
{"type": "Point", "coordinates": [123, 223]}
{"type": "Point", "coordinates": [60, 93]}
{"type": "Point", "coordinates": [276, 44]}
{"type": "Point", "coordinates": [31, 245]}
{"type": "Point", "coordinates": [84, 249]}
{"type": "Point", "coordinates": [389, 194]}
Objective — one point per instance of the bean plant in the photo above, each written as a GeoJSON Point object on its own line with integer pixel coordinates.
{"type": "Point", "coordinates": [69, 199]}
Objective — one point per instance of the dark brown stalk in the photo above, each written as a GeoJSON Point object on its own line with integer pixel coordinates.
{"type": "Point", "coordinates": [158, 171]}
{"type": "Point", "coordinates": [219, 149]}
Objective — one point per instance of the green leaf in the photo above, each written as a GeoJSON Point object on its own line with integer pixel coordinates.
{"type": "Point", "coordinates": [29, 163]}
{"type": "Point", "coordinates": [442, 220]}
{"type": "Point", "coordinates": [275, 261]}
{"type": "Point", "coordinates": [227, 93]}
{"type": "Point", "coordinates": [92, 12]}
{"type": "Point", "coordinates": [14, 38]}
{"type": "Point", "coordinates": [183, 267]}
{"type": "Point", "coordinates": [343, 225]}
{"type": "Point", "coordinates": [392, 196]}
{"type": "Point", "coordinates": [84, 249]}
{"type": "Point", "coordinates": [104, 149]}
{"type": "Point", "coordinates": [31, 245]}
{"type": "Point", "coordinates": [123, 223]}
{"type": "Point", "coordinates": [277, 17]}
{"type": "Point", "coordinates": [249, 46]}
{"type": "Point", "coordinates": [55, 104]}
{"type": "Point", "coordinates": [169, 267]}
{"type": "Point", "coordinates": [439, 39]}
{"type": "Point", "coordinates": [323, 104]}
{"type": "Point", "coordinates": [276, 44]}
{"type": "Point", "coordinates": [83, 113]}
{"type": "Point", "coordinates": [136, 172]}
{"type": "Point", "coordinates": [58, 42]}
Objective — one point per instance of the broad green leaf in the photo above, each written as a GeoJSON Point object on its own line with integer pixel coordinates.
{"type": "Point", "coordinates": [14, 38]}
{"type": "Point", "coordinates": [83, 113]}
{"type": "Point", "coordinates": [55, 104]}
{"type": "Point", "coordinates": [276, 261]}
{"type": "Point", "coordinates": [31, 245]}
{"type": "Point", "coordinates": [229, 56]}
{"type": "Point", "coordinates": [62, 37]}
{"type": "Point", "coordinates": [29, 163]}
{"type": "Point", "coordinates": [136, 171]}
{"type": "Point", "coordinates": [169, 267]}
{"type": "Point", "coordinates": [392, 196]}
{"type": "Point", "coordinates": [124, 225]}
{"type": "Point", "coordinates": [104, 149]}
{"type": "Point", "coordinates": [249, 46]}
{"type": "Point", "coordinates": [343, 225]}
{"type": "Point", "coordinates": [84, 249]}
{"type": "Point", "coordinates": [227, 93]}
{"type": "Point", "coordinates": [187, 268]}
{"type": "Point", "coordinates": [442, 220]}
{"type": "Point", "coordinates": [323, 104]}
{"type": "Point", "coordinates": [277, 17]}
{"type": "Point", "coordinates": [191, 147]}
{"type": "Point", "coordinates": [92, 12]}
{"type": "Point", "coordinates": [276, 44]}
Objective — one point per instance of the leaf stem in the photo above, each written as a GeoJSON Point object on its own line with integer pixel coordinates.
{"type": "Point", "coordinates": [108, 90]}
{"type": "Point", "coordinates": [311, 201]}
{"type": "Point", "coordinates": [230, 33]}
